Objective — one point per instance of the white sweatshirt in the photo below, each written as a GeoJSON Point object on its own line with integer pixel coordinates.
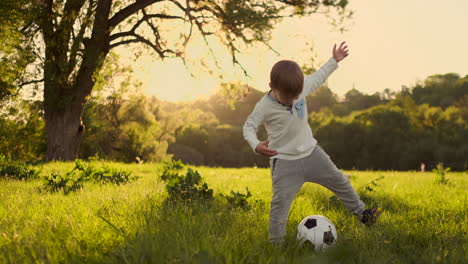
{"type": "Point", "coordinates": [288, 129]}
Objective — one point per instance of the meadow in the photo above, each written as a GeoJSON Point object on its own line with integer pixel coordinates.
{"type": "Point", "coordinates": [422, 222]}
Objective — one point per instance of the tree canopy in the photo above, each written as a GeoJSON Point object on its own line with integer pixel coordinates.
{"type": "Point", "coordinates": [17, 49]}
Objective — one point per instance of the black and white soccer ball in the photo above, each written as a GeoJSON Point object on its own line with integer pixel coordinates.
{"type": "Point", "coordinates": [317, 230]}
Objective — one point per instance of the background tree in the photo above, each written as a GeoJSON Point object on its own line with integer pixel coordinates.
{"type": "Point", "coordinates": [441, 90]}
{"type": "Point", "coordinates": [356, 100]}
{"type": "Point", "coordinates": [121, 125]}
{"type": "Point", "coordinates": [323, 97]}
{"type": "Point", "coordinates": [16, 50]}
{"type": "Point", "coordinates": [22, 133]}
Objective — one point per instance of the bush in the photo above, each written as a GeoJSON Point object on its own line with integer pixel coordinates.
{"type": "Point", "coordinates": [171, 169]}
{"type": "Point", "coordinates": [441, 173]}
{"type": "Point", "coordinates": [104, 174]}
{"type": "Point", "coordinates": [85, 172]}
{"type": "Point", "coordinates": [69, 182]}
{"type": "Point", "coordinates": [16, 170]}
{"type": "Point", "coordinates": [114, 176]}
{"type": "Point", "coordinates": [238, 200]}
{"type": "Point", "coordinates": [189, 187]}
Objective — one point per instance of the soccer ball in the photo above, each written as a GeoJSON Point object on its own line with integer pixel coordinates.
{"type": "Point", "coordinates": [317, 230]}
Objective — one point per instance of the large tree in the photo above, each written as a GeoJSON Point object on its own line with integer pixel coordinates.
{"type": "Point", "coordinates": [78, 35]}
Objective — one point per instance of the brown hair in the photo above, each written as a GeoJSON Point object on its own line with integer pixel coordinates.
{"type": "Point", "coordinates": [286, 76]}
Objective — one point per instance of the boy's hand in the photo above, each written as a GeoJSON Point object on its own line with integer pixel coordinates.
{"type": "Point", "coordinates": [263, 149]}
{"type": "Point", "coordinates": [340, 53]}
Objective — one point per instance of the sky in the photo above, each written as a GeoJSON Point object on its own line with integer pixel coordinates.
{"type": "Point", "coordinates": [391, 44]}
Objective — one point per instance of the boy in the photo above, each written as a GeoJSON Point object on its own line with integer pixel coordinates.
{"type": "Point", "coordinates": [294, 155]}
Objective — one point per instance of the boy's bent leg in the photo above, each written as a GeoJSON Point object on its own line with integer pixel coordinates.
{"type": "Point", "coordinates": [286, 181]}
{"type": "Point", "coordinates": [320, 169]}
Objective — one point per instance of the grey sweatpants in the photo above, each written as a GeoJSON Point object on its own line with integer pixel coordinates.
{"type": "Point", "coordinates": [288, 176]}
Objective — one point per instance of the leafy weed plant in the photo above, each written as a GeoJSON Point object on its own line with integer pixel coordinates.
{"type": "Point", "coordinates": [69, 182]}
{"type": "Point", "coordinates": [441, 174]}
{"type": "Point", "coordinates": [189, 187]}
{"type": "Point", "coordinates": [171, 169]}
{"type": "Point", "coordinates": [84, 172]}
{"type": "Point", "coordinates": [16, 170]}
{"type": "Point", "coordinates": [238, 199]}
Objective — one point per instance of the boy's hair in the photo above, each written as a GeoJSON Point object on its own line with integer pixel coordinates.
{"type": "Point", "coordinates": [287, 77]}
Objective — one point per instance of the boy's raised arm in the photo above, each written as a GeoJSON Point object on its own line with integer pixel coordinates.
{"type": "Point", "coordinates": [315, 80]}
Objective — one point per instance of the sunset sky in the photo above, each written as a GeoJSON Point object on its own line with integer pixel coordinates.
{"type": "Point", "coordinates": [391, 43]}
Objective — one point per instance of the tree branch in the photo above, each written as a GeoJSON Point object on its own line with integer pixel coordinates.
{"type": "Point", "coordinates": [79, 38]}
{"type": "Point", "coordinates": [139, 39]}
{"type": "Point", "coordinates": [128, 11]}
{"type": "Point", "coordinates": [30, 82]}
{"type": "Point", "coordinates": [46, 19]}
{"type": "Point", "coordinates": [70, 13]}
{"type": "Point", "coordinates": [193, 20]}
{"type": "Point", "coordinates": [145, 18]}
{"type": "Point", "coordinates": [95, 50]}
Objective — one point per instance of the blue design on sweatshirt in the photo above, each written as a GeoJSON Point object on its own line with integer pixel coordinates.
{"type": "Point", "coordinates": [300, 105]}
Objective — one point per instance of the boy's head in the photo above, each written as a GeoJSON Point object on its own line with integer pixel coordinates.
{"type": "Point", "coordinates": [287, 79]}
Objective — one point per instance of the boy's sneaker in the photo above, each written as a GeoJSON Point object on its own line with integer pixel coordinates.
{"type": "Point", "coordinates": [369, 216]}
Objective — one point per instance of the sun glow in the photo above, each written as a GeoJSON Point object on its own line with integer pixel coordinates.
{"type": "Point", "coordinates": [385, 52]}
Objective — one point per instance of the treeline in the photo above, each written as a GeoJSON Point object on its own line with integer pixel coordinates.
{"type": "Point", "coordinates": [385, 131]}
{"type": "Point", "coordinates": [427, 123]}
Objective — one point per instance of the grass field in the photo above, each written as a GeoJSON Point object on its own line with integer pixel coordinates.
{"type": "Point", "coordinates": [422, 222]}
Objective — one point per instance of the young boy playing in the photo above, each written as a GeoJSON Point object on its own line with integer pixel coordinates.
{"type": "Point", "coordinates": [294, 155]}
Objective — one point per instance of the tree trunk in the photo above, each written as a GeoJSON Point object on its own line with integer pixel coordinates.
{"type": "Point", "coordinates": [64, 133]}
{"type": "Point", "coordinates": [64, 93]}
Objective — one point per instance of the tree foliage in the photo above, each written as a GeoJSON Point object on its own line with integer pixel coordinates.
{"type": "Point", "coordinates": [441, 90]}
{"type": "Point", "coordinates": [22, 130]}
{"type": "Point", "coordinates": [17, 49]}
{"type": "Point", "coordinates": [121, 125]}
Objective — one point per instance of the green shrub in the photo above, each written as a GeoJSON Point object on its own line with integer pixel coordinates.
{"type": "Point", "coordinates": [110, 175]}
{"type": "Point", "coordinates": [189, 187]}
{"type": "Point", "coordinates": [85, 169]}
{"type": "Point", "coordinates": [441, 174]}
{"type": "Point", "coordinates": [238, 200]}
{"type": "Point", "coordinates": [68, 182]}
{"type": "Point", "coordinates": [85, 172]}
{"type": "Point", "coordinates": [16, 170]}
{"type": "Point", "coordinates": [171, 169]}
{"type": "Point", "coordinates": [104, 174]}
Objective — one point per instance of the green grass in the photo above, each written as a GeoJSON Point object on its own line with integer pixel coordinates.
{"type": "Point", "coordinates": [134, 223]}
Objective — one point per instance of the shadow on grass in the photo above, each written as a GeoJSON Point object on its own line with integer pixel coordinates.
{"type": "Point", "coordinates": [194, 232]}
{"type": "Point", "coordinates": [173, 232]}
